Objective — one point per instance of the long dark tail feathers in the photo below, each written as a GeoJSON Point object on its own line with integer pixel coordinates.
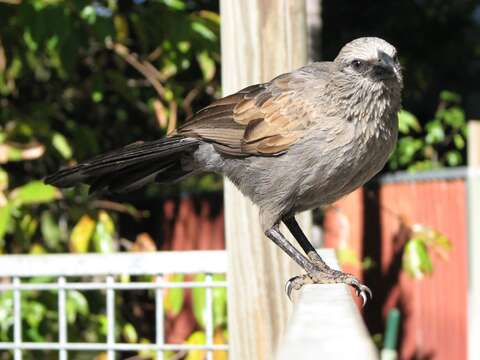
{"type": "Point", "coordinates": [129, 168]}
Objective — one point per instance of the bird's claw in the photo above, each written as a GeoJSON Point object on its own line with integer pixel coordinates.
{"type": "Point", "coordinates": [333, 276]}
{"type": "Point", "coordinates": [361, 290]}
{"type": "Point", "coordinates": [292, 284]}
{"type": "Point", "coordinates": [364, 292]}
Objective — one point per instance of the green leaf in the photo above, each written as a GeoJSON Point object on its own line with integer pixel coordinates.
{"type": "Point", "coordinates": [175, 4]}
{"type": "Point", "coordinates": [174, 297]}
{"type": "Point", "coordinates": [219, 303]}
{"type": "Point", "coordinates": [3, 180]}
{"type": "Point", "coordinates": [441, 241]}
{"type": "Point", "coordinates": [121, 28]}
{"type": "Point", "coordinates": [197, 338]}
{"type": "Point", "coordinates": [184, 46]}
{"type": "Point", "coordinates": [210, 16]}
{"type": "Point", "coordinates": [76, 304]}
{"type": "Point", "coordinates": [435, 132]}
{"type": "Point", "coordinates": [455, 117]}
{"type": "Point", "coordinates": [81, 234]}
{"type": "Point", "coordinates": [37, 249]}
{"type": "Point", "coordinates": [97, 96]}
{"type": "Point", "coordinates": [35, 192]}
{"type": "Point", "coordinates": [407, 121]}
{"type": "Point", "coordinates": [407, 149]}
{"type": "Point", "coordinates": [199, 301]}
{"type": "Point", "coordinates": [34, 313]}
{"type": "Point", "coordinates": [103, 324]}
{"type": "Point", "coordinates": [103, 236]}
{"type": "Point", "coordinates": [60, 143]}
{"type": "Point", "coordinates": [29, 40]}
{"type": "Point", "coordinates": [200, 28]}
{"type": "Point", "coordinates": [450, 96]}
{"type": "Point", "coordinates": [129, 333]}
{"type": "Point", "coordinates": [433, 239]}
{"type": "Point", "coordinates": [458, 141]}
{"type": "Point", "coordinates": [107, 221]}
{"type": "Point", "coordinates": [5, 216]}
{"type": "Point", "coordinates": [441, 245]}
{"type": "Point", "coordinates": [6, 314]}
{"type": "Point", "coordinates": [102, 240]}
{"type": "Point", "coordinates": [89, 14]}
{"type": "Point", "coordinates": [50, 231]}
{"type": "Point", "coordinates": [207, 65]}
{"type": "Point", "coordinates": [26, 227]}
{"type": "Point", "coordinates": [454, 158]}
{"type": "Point", "coordinates": [52, 43]}
{"type": "Point", "coordinates": [13, 153]}
{"type": "Point", "coordinates": [416, 260]}
{"type": "Point", "coordinates": [423, 165]}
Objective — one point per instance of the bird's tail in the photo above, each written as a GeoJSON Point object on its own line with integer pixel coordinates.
{"type": "Point", "coordinates": [131, 167]}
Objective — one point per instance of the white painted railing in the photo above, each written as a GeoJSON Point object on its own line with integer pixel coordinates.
{"type": "Point", "coordinates": [15, 268]}
{"type": "Point", "coordinates": [326, 324]}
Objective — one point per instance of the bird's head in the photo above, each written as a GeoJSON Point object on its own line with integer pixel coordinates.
{"type": "Point", "coordinates": [370, 61]}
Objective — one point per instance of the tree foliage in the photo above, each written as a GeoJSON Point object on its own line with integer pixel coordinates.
{"type": "Point", "coordinates": [78, 78]}
{"type": "Point", "coordinates": [441, 142]}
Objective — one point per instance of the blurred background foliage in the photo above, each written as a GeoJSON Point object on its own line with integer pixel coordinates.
{"type": "Point", "coordinates": [185, 318]}
{"type": "Point", "coordinates": [80, 77]}
{"type": "Point", "coordinates": [440, 142]}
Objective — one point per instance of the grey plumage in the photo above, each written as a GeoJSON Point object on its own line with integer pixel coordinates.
{"type": "Point", "coordinates": [300, 141]}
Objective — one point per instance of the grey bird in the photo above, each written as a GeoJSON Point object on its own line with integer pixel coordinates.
{"type": "Point", "coordinates": [297, 142]}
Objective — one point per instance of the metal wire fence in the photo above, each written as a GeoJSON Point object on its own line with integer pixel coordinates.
{"type": "Point", "coordinates": [102, 270]}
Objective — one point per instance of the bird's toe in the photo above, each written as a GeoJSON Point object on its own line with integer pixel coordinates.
{"type": "Point", "coordinates": [328, 276]}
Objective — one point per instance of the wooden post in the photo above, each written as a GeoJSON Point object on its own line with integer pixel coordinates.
{"type": "Point", "coordinates": [473, 239]}
{"type": "Point", "coordinates": [314, 26]}
{"type": "Point", "coordinates": [326, 324]}
{"type": "Point", "coordinates": [260, 39]}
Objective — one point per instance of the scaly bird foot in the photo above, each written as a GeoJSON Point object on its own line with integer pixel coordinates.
{"type": "Point", "coordinates": [326, 275]}
{"type": "Point", "coordinates": [316, 260]}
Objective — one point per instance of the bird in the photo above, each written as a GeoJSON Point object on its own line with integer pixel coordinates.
{"type": "Point", "coordinates": [300, 141]}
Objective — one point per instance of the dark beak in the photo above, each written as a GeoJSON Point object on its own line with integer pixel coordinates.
{"type": "Point", "coordinates": [384, 68]}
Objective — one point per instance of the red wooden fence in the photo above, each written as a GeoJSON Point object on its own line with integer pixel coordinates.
{"type": "Point", "coordinates": [192, 224]}
{"type": "Point", "coordinates": [372, 222]}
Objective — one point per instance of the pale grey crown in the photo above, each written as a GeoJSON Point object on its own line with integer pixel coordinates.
{"type": "Point", "coordinates": [370, 57]}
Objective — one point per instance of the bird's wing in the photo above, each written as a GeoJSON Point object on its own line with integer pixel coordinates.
{"type": "Point", "coordinates": [264, 119]}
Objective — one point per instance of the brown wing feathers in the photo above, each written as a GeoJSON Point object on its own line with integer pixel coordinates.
{"type": "Point", "coordinates": [250, 122]}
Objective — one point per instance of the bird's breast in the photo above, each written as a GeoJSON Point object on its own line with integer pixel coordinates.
{"type": "Point", "coordinates": [345, 160]}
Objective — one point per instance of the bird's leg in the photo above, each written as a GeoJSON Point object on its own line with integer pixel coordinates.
{"type": "Point", "coordinates": [302, 240]}
{"type": "Point", "coordinates": [322, 274]}
{"type": "Point", "coordinates": [281, 241]}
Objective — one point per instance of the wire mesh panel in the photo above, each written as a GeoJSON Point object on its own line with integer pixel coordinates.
{"type": "Point", "coordinates": [106, 274]}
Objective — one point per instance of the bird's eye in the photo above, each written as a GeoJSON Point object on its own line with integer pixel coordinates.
{"type": "Point", "coordinates": [395, 59]}
{"type": "Point", "coordinates": [357, 64]}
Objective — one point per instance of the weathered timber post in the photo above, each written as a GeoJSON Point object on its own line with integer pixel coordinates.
{"type": "Point", "coordinates": [473, 239]}
{"type": "Point", "coordinates": [260, 39]}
